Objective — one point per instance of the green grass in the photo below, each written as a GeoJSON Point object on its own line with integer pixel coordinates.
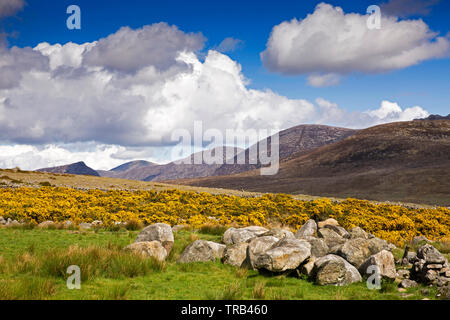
{"type": "Point", "coordinates": [33, 264]}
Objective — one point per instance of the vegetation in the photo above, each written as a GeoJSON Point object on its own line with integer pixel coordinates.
{"type": "Point", "coordinates": [393, 223]}
{"type": "Point", "coordinates": [33, 265]}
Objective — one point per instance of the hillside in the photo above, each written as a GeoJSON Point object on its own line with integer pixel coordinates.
{"type": "Point", "coordinates": [404, 161]}
{"type": "Point", "coordinates": [79, 168]}
{"type": "Point", "coordinates": [293, 141]}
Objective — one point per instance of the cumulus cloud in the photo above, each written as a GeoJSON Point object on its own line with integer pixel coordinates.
{"type": "Point", "coordinates": [407, 8]}
{"type": "Point", "coordinates": [323, 80]}
{"type": "Point", "coordinates": [65, 108]}
{"type": "Point", "coordinates": [10, 7]}
{"type": "Point", "coordinates": [128, 50]}
{"type": "Point", "coordinates": [229, 45]}
{"type": "Point", "coordinates": [331, 41]}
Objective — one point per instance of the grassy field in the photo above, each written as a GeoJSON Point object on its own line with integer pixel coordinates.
{"type": "Point", "coordinates": [33, 265]}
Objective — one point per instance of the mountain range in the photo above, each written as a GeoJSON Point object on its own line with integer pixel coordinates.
{"type": "Point", "coordinates": [403, 161]}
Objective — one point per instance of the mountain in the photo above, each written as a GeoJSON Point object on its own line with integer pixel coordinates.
{"type": "Point", "coordinates": [180, 169]}
{"type": "Point", "coordinates": [403, 161]}
{"type": "Point", "coordinates": [75, 168]}
{"type": "Point", "coordinates": [292, 142]}
{"type": "Point", "coordinates": [436, 117]}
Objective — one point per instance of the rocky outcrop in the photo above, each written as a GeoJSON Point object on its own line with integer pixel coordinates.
{"type": "Point", "coordinates": [430, 267]}
{"type": "Point", "coordinates": [234, 236]}
{"type": "Point", "coordinates": [160, 232]}
{"type": "Point", "coordinates": [148, 249]}
{"type": "Point", "coordinates": [334, 270]}
{"type": "Point", "coordinates": [202, 251]}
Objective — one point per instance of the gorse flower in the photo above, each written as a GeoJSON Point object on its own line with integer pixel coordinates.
{"type": "Point", "coordinates": [390, 222]}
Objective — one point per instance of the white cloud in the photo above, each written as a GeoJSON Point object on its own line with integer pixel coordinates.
{"type": "Point", "coordinates": [10, 7]}
{"type": "Point", "coordinates": [323, 80]}
{"type": "Point", "coordinates": [229, 45]}
{"type": "Point", "coordinates": [331, 41]}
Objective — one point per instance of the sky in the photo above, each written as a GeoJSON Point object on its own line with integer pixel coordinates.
{"type": "Point", "coordinates": [117, 89]}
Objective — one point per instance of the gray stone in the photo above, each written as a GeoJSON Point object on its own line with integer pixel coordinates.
{"type": "Point", "coordinates": [403, 273]}
{"type": "Point", "coordinates": [258, 246]}
{"type": "Point", "coordinates": [377, 244]}
{"type": "Point", "coordinates": [308, 229]}
{"type": "Point", "coordinates": [85, 225]}
{"type": "Point", "coordinates": [148, 249]}
{"type": "Point", "coordinates": [331, 237]}
{"type": "Point", "coordinates": [407, 283]}
{"type": "Point", "coordinates": [307, 268]}
{"type": "Point", "coordinates": [235, 254]}
{"type": "Point", "coordinates": [356, 251]}
{"type": "Point", "coordinates": [279, 233]}
{"type": "Point", "coordinates": [178, 227]}
{"type": "Point", "coordinates": [334, 270]}
{"type": "Point", "coordinates": [357, 232]}
{"type": "Point", "coordinates": [285, 255]}
{"type": "Point", "coordinates": [97, 223]}
{"type": "Point", "coordinates": [202, 251]}
{"type": "Point", "coordinates": [383, 261]}
{"type": "Point", "coordinates": [319, 247]}
{"type": "Point", "coordinates": [419, 239]}
{"type": "Point", "coordinates": [160, 232]}
{"type": "Point", "coordinates": [233, 235]}
{"type": "Point", "coordinates": [430, 254]}
{"type": "Point", "coordinates": [339, 230]}
{"type": "Point", "coordinates": [46, 224]}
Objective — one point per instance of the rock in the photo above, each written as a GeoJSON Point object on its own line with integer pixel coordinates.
{"type": "Point", "coordinates": [307, 268]}
{"type": "Point", "coordinates": [430, 254]}
{"type": "Point", "coordinates": [308, 229]}
{"type": "Point", "coordinates": [384, 261]}
{"type": "Point", "coordinates": [376, 245]}
{"type": "Point", "coordinates": [356, 251]}
{"type": "Point", "coordinates": [160, 232]}
{"type": "Point", "coordinates": [148, 249]}
{"type": "Point", "coordinates": [407, 283]}
{"type": "Point", "coordinates": [403, 273]}
{"type": "Point", "coordinates": [85, 225]}
{"type": "Point", "coordinates": [335, 249]}
{"type": "Point", "coordinates": [334, 270]}
{"type": "Point", "coordinates": [401, 290]}
{"type": "Point", "coordinates": [339, 230]}
{"type": "Point", "coordinates": [233, 235]}
{"type": "Point", "coordinates": [444, 292]}
{"type": "Point", "coordinates": [329, 221]}
{"type": "Point", "coordinates": [258, 246]}
{"type": "Point", "coordinates": [46, 224]}
{"type": "Point", "coordinates": [332, 238]}
{"type": "Point", "coordinates": [357, 232]}
{"type": "Point", "coordinates": [279, 233]}
{"type": "Point", "coordinates": [285, 255]}
{"type": "Point", "coordinates": [235, 254]}
{"type": "Point", "coordinates": [97, 223]}
{"type": "Point", "coordinates": [202, 251]}
{"type": "Point", "coordinates": [319, 247]}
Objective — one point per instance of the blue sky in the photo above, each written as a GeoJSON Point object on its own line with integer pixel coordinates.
{"type": "Point", "coordinates": [117, 89]}
{"type": "Point", "coordinates": [426, 84]}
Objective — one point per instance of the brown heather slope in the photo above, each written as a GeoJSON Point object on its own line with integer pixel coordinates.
{"type": "Point", "coordinates": [403, 161]}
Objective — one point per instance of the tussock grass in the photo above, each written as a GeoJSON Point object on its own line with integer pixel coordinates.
{"type": "Point", "coordinates": [32, 289]}
{"type": "Point", "coordinates": [213, 229]}
{"type": "Point", "coordinates": [259, 290]}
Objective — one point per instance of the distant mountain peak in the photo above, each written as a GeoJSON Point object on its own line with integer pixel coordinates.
{"type": "Point", "coordinates": [79, 168]}
{"type": "Point", "coordinates": [436, 117]}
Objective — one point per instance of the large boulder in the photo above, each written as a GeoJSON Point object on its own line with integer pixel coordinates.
{"type": "Point", "coordinates": [357, 232]}
{"type": "Point", "coordinates": [160, 232]}
{"type": "Point", "coordinates": [339, 230]}
{"type": "Point", "coordinates": [383, 261]}
{"type": "Point", "coordinates": [331, 237]}
{"type": "Point", "coordinates": [430, 254]}
{"type": "Point", "coordinates": [279, 233]}
{"type": "Point", "coordinates": [308, 229]}
{"type": "Point", "coordinates": [202, 251]}
{"type": "Point", "coordinates": [356, 251]}
{"type": "Point", "coordinates": [148, 249]}
{"type": "Point", "coordinates": [235, 254]}
{"type": "Point", "coordinates": [46, 224]}
{"type": "Point", "coordinates": [376, 245]}
{"type": "Point", "coordinates": [258, 246]}
{"type": "Point", "coordinates": [319, 248]}
{"type": "Point", "coordinates": [238, 235]}
{"type": "Point", "coordinates": [285, 255]}
{"type": "Point", "coordinates": [334, 270]}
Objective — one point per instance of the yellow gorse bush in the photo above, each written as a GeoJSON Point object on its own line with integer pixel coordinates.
{"type": "Point", "coordinates": [390, 222]}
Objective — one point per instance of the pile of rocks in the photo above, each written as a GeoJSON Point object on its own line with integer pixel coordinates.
{"type": "Point", "coordinates": [8, 222]}
{"type": "Point", "coordinates": [430, 266]}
